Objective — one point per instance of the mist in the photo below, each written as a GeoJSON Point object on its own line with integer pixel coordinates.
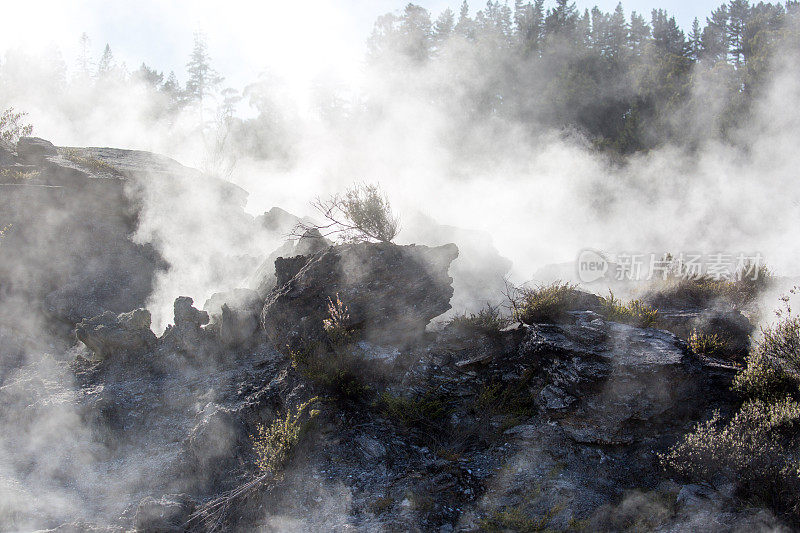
{"type": "Point", "coordinates": [473, 139]}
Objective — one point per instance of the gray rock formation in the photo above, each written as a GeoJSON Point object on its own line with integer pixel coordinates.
{"type": "Point", "coordinates": [117, 336]}
{"type": "Point", "coordinates": [391, 292]}
{"type": "Point", "coordinates": [34, 149]}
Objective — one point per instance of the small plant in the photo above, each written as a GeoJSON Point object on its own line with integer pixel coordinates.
{"type": "Point", "coordinates": [337, 325]}
{"type": "Point", "coordinates": [773, 365]}
{"type": "Point", "coordinates": [708, 344]}
{"type": "Point", "coordinates": [516, 519]}
{"type": "Point", "coordinates": [419, 412]}
{"type": "Point", "coordinates": [545, 303]}
{"type": "Point", "coordinates": [12, 127]}
{"type": "Point", "coordinates": [17, 174]}
{"type": "Point", "coordinates": [634, 312]}
{"type": "Point", "coordinates": [488, 320]}
{"type": "Point", "coordinates": [756, 449]}
{"type": "Point", "coordinates": [362, 213]}
{"type": "Point", "coordinates": [334, 365]}
{"type": "Point", "coordinates": [273, 445]}
{"type": "Point", "coordinates": [513, 400]}
{"type": "Point", "coordinates": [73, 155]}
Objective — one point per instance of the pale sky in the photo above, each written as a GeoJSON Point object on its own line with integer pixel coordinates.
{"type": "Point", "coordinates": [296, 40]}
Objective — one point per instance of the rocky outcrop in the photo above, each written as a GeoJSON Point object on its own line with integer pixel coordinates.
{"type": "Point", "coordinates": [117, 336]}
{"type": "Point", "coordinates": [34, 149]}
{"type": "Point", "coordinates": [186, 335]}
{"type": "Point", "coordinates": [234, 316]}
{"type": "Point", "coordinates": [391, 292]}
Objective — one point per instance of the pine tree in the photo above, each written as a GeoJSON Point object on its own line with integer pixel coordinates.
{"type": "Point", "coordinates": [85, 57]}
{"type": "Point", "coordinates": [106, 63]}
{"type": "Point", "coordinates": [667, 35]}
{"type": "Point", "coordinates": [715, 36]}
{"type": "Point", "coordinates": [639, 33]}
{"type": "Point", "coordinates": [465, 26]}
{"type": "Point", "coordinates": [444, 27]}
{"type": "Point", "coordinates": [203, 79]}
{"type": "Point", "coordinates": [738, 16]}
{"type": "Point", "coordinates": [696, 40]}
{"type": "Point", "coordinates": [617, 33]}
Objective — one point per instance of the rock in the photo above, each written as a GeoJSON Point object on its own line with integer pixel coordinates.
{"type": "Point", "coordinates": [186, 334]}
{"type": "Point", "coordinates": [234, 316]}
{"type": "Point", "coordinates": [391, 292]}
{"type": "Point", "coordinates": [34, 149]}
{"type": "Point", "coordinates": [187, 315]}
{"type": "Point", "coordinates": [611, 383]}
{"type": "Point", "coordinates": [7, 155]}
{"type": "Point", "coordinates": [729, 325]}
{"type": "Point", "coordinates": [164, 515]}
{"type": "Point", "coordinates": [310, 243]}
{"type": "Point", "coordinates": [124, 335]}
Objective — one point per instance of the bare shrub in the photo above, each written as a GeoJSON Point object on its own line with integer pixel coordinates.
{"type": "Point", "coordinates": [12, 126]}
{"type": "Point", "coordinates": [362, 213]}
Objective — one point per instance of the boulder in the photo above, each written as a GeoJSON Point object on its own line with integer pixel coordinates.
{"type": "Point", "coordinates": [611, 383]}
{"type": "Point", "coordinates": [163, 515]}
{"type": "Point", "coordinates": [7, 156]}
{"type": "Point", "coordinates": [34, 149]}
{"type": "Point", "coordinates": [391, 292]}
{"type": "Point", "coordinates": [186, 334]}
{"type": "Point", "coordinates": [234, 316]}
{"type": "Point", "coordinates": [124, 335]}
{"type": "Point", "coordinates": [310, 243]}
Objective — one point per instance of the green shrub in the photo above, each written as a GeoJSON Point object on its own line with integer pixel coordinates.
{"type": "Point", "coordinates": [516, 519]}
{"type": "Point", "coordinates": [413, 412]}
{"type": "Point", "coordinates": [634, 312]}
{"type": "Point", "coordinates": [488, 320]}
{"type": "Point", "coordinates": [274, 444]}
{"type": "Point", "coordinates": [756, 449]}
{"type": "Point", "coordinates": [708, 344]}
{"type": "Point", "coordinates": [773, 365]}
{"type": "Point", "coordinates": [17, 174]}
{"type": "Point", "coordinates": [545, 303]}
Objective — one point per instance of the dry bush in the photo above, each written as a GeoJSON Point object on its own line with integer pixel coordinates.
{"type": "Point", "coordinates": [489, 320]}
{"type": "Point", "coordinates": [362, 213]}
{"type": "Point", "coordinates": [634, 312]}
{"type": "Point", "coordinates": [544, 303]}
{"type": "Point", "coordinates": [12, 127]}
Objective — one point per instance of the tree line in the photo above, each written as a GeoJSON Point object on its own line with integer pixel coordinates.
{"type": "Point", "coordinates": [628, 82]}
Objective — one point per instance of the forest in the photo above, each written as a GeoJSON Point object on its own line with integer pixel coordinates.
{"type": "Point", "coordinates": [624, 83]}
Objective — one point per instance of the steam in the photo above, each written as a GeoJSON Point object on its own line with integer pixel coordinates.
{"type": "Point", "coordinates": [542, 195]}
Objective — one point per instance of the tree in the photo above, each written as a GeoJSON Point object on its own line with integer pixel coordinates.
{"type": "Point", "coordinates": [203, 79]}
{"type": "Point", "coordinates": [617, 33]}
{"type": "Point", "coordinates": [715, 36]}
{"type": "Point", "coordinates": [639, 33]}
{"type": "Point", "coordinates": [106, 63]}
{"type": "Point", "coordinates": [696, 40]}
{"type": "Point", "coordinates": [444, 27]}
{"type": "Point", "coordinates": [85, 56]}
{"type": "Point", "coordinates": [738, 17]}
{"type": "Point", "coordinates": [416, 31]}
{"type": "Point", "coordinates": [667, 34]}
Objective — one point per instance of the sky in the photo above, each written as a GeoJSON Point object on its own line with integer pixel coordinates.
{"type": "Point", "coordinates": [298, 41]}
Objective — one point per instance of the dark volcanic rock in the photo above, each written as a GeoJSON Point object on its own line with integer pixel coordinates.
{"type": "Point", "coordinates": [110, 335]}
{"type": "Point", "coordinates": [34, 149]}
{"type": "Point", "coordinates": [186, 334]}
{"type": "Point", "coordinates": [610, 383]}
{"type": "Point", "coordinates": [234, 316]}
{"type": "Point", "coordinates": [7, 156]}
{"type": "Point", "coordinates": [391, 292]}
{"type": "Point", "coordinates": [164, 515]}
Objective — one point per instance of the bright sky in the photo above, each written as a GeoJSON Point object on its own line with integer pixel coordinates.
{"type": "Point", "coordinates": [296, 40]}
